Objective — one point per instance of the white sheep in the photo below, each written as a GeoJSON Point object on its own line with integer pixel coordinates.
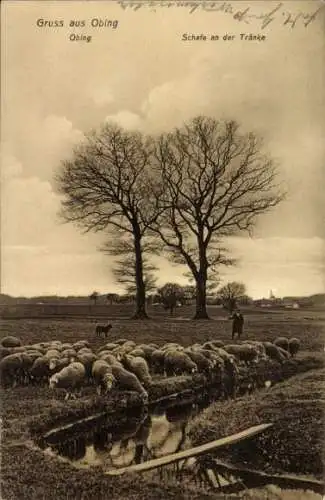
{"type": "Point", "coordinates": [177, 362]}
{"type": "Point", "coordinates": [246, 353]}
{"type": "Point", "coordinates": [69, 378]}
{"type": "Point", "coordinates": [139, 367]}
{"type": "Point", "coordinates": [102, 375]}
{"type": "Point", "coordinates": [128, 381]}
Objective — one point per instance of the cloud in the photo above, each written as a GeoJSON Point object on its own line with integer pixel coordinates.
{"type": "Point", "coordinates": [10, 166]}
{"type": "Point", "coordinates": [42, 145]}
{"type": "Point", "coordinates": [56, 138]}
{"type": "Point", "coordinates": [126, 119]}
{"type": "Point", "coordinates": [102, 95]}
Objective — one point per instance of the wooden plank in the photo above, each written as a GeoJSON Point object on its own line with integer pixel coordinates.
{"type": "Point", "coordinates": [198, 450]}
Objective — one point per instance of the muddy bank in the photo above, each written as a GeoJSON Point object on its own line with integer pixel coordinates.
{"type": "Point", "coordinates": [295, 442]}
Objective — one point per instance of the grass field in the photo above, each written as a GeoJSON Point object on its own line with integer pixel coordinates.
{"type": "Point", "coordinates": [28, 474]}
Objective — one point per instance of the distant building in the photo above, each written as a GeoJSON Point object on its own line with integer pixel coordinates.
{"type": "Point", "coordinates": [289, 304]}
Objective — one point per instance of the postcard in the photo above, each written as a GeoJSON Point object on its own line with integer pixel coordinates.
{"type": "Point", "coordinates": [162, 249]}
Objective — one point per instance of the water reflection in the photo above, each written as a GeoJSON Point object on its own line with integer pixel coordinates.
{"type": "Point", "coordinates": [161, 432]}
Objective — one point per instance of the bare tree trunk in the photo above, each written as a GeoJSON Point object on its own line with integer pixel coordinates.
{"type": "Point", "coordinates": [201, 306]}
{"type": "Point", "coordinates": [201, 280]}
{"type": "Point", "coordinates": [140, 299]}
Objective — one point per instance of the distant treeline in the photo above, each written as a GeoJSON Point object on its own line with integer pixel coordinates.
{"type": "Point", "coordinates": [103, 300]}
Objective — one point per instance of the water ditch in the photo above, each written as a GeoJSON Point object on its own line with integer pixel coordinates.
{"type": "Point", "coordinates": [133, 434]}
{"type": "Point", "coordinates": [161, 430]}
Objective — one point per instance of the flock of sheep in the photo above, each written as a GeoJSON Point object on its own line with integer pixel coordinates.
{"type": "Point", "coordinates": [129, 366]}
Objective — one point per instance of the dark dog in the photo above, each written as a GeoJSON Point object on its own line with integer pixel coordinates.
{"type": "Point", "coordinates": [103, 329]}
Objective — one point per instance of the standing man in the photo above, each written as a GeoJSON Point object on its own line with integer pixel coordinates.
{"type": "Point", "coordinates": [237, 324]}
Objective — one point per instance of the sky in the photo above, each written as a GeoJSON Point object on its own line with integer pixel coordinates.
{"type": "Point", "coordinates": [142, 75]}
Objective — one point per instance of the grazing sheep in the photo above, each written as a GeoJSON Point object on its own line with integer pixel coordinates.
{"type": "Point", "coordinates": [139, 367]}
{"type": "Point", "coordinates": [243, 352]}
{"type": "Point", "coordinates": [68, 345]}
{"type": "Point", "coordinates": [157, 361]}
{"type": "Point", "coordinates": [213, 356]}
{"type": "Point", "coordinates": [69, 378]}
{"type": "Point", "coordinates": [259, 346]}
{"type": "Point", "coordinates": [56, 364]}
{"type": "Point", "coordinates": [284, 353]}
{"type": "Point", "coordinates": [103, 376]}
{"type": "Point", "coordinates": [275, 352]}
{"type": "Point", "coordinates": [130, 343]}
{"type": "Point", "coordinates": [32, 350]}
{"type": "Point", "coordinates": [70, 353]}
{"type": "Point", "coordinates": [14, 368]}
{"type": "Point", "coordinates": [28, 359]}
{"type": "Point", "coordinates": [172, 346]}
{"type": "Point", "coordinates": [123, 349]}
{"type": "Point", "coordinates": [178, 363]}
{"type": "Point", "coordinates": [102, 353]}
{"type": "Point", "coordinates": [78, 345]}
{"type": "Point", "coordinates": [37, 347]}
{"type": "Point", "coordinates": [120, 341]}
{"type": "Point", "coordinates": [40, 369]}
{"type": "Point", "coordinates": [138, 352]}
{"type": "Point", "coordinates": [87, 359]}
{"type": "Point", "coordinates": [294, 346]}
{"type": "Point", "coordinates": [128, 381]}
{"type": "Point", "coordinates": [282, 342]}
{"type": "Point", "coordinates": [218, 343]}
{"type": "Point", "coordinates": [213, 344]}
{"type": "Point", "coordinates": [10, 342]}
{"type": "Point", "coordinates": [203, 364]}
{"type": "Point", "coordinates": [155, 346]}
{"type": "Point", "coordinates": [147, 349]}
{"type": "Point", "coordinates": [85, 350]}
{"type": "Point", "coordinates": [55, 346]}
{"type": "Point", "coordinates": [108, 347]}
{"type": "Point", "coordinates": [103, 329]}
{"type": "Point", "coordinates": [52, 353]}
{"type": "Point", "coordinates": [110, 359]}
{"type": "Point", "coordinates": [11, 369]}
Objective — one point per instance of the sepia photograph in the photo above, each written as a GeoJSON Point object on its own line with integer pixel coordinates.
{"type": "Point", "coordinates": [162, 301]}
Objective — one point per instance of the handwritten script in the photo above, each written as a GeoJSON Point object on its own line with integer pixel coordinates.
{"type": "Point", "coordinates": [245, 15]}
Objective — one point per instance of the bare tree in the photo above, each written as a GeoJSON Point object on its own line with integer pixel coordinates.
{"type": "Point", "coordinates": [215, 181]}
{"type": "Point", "coordinates": [230, 294]}
{"type": "Point", "coordinates": [124, 270]}
{"type": "Point", "coordinates": [107, 183]}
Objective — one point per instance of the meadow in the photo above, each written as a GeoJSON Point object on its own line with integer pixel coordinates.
{"type": "Point", "coordinates": [296, 405]}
